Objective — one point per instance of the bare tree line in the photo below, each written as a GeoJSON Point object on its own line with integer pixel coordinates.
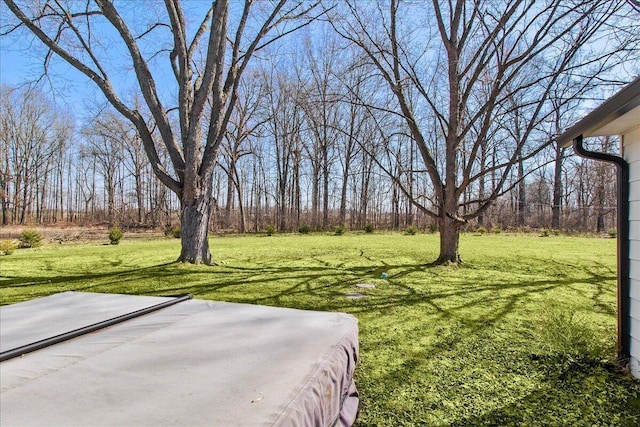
{"type": "Point", "coordinates": [387, 114]}
{"type": "Point", "coordinates": [268, 172]}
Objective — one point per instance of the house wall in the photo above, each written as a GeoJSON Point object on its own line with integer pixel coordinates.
{"type": "Point", "coordinates": [631, 153]}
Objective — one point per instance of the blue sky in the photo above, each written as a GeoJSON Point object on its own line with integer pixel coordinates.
{"type": "Point", "coordinates": [21, 62]}
{"type": "Point", "coordinates": [21, 58]}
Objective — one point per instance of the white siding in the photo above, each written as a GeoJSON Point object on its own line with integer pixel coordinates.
{"type": "Point", "coordinates": [635, 293]}
{"type": "Point", "coordinates": [635, 362]}
{"type": "Point", "coordinates": [634, 271]}
{"type": "Point", "coordinates": [635, 325]}
{"type": "Point", "coordinates": [634, 309]}
{"type": "Point", "coordinates": [631, 155]}
{"type": "Point", "coordinates": [631, 152]}
{"type": "Point", "coordinates": [634, 210]}
{"type": "Point", "coordinates": [634, 250]}
{"type": "Point", "coordinates": [634, 173]}
{"type": "Point", "coordinates": [634, 187]}
{"type": "Point", "coordinates": [634, 233]}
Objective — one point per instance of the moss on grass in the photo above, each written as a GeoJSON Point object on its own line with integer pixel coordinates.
{"type": "Point", "coordinates": [521, 334]}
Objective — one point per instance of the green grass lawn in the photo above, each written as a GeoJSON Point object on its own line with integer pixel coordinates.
{"type": "Point", "coordinates": [522, 334]}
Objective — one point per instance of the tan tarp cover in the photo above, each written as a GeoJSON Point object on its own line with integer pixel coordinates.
{"type": "Point", "coordinates": [194, 363]}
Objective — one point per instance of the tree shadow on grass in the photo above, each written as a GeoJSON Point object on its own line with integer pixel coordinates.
{"type": "Point", "coordinates": [323, 287]}
{"type": "Point", "coordinates": [317, 287]}
{"type": "Point", "coordinates": [110, 282]}
{"type": "Point", "coordinates": [576, 391]}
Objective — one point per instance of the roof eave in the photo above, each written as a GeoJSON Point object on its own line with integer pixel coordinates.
{"type": "Point", "coordinates": [619, 104]}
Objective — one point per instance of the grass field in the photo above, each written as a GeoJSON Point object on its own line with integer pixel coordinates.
{"type": "Point", "coordinates": [522, 334]}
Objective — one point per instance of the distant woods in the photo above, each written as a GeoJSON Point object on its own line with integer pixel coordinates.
{"type": "Point", "coordinates": [351, 123]}
{"type": "Point", "coordinates": [277, 167]}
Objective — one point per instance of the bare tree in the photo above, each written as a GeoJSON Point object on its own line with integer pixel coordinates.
{"type": "Point", "coordinates": [205, 75]}
{"type": "Point", "coordinates": [322, 114]}
{"type": "Point", "coordinates": [105, 146]}
{"type": "Point", "coordinates": [242, 126]}
{"type": "Point", "coordinates": [32, 135]}
{"type": "Point", "coordinates": [284, 110]}
{"type": "Point", "coordinates": [85, 182]}
{"type": "Point", "coordinates": [353, 124]}
{"type": "Point", "coordinates": [482, 62]}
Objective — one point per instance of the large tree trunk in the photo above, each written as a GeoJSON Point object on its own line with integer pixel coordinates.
{"type": "Point", "coordinates": [195, 216]}
{"type": "Point", "coordinates": [449, 241]}
{"type": "Point", "coordinates": [449, 224]}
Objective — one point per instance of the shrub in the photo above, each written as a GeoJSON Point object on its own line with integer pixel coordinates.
{"type": "Point", "coordinates": [368, 228]}
{"type": "Point", "coordinates": [544, 233]}
{"type": "Point", "coordinates": [411, 230]}
{"type": "Point", "coordinates": [339, 230]}
{"type": "Point", "coordinates": [433, 228]}
{"type": "Point", "coordinates": [173, 231]}
{"type": "Point", "coordinates": [30, 238]}
{"type": "Point", "coordinates": [481, 230]}
{"type": "Point", "coordinates": [613, 233]}
{"type": "Point", "coordinates": [269, 229]}
{"type": "Point", "coordinates": [304, 229]}
{"type": "Point", "coordinates": [496, 230]}
{"type": "Point", "coordinates": [115, 235]}
{"type": "Point", "coordinates": [7, 246]}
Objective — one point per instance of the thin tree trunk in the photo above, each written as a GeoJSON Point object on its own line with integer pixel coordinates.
{"type": "Point", "coordinates": [229, 205]}
{"type": "Point", "coordinates": [522, 195]}
{"type": "Point", "coordinates": [296, 187]}
{"type": "Point", "coordinates": [325, 190]}
{"type": "Point", "coordinates": [557, 188]}
{"type": "Point", "coordinates": [111, 196]}
{"type": "Point", "coordinates": [482, 179]}
{"type": "Point", "coordinates": [343, 196]}
{"type": "Point", "coordinates": [600, 198]}
{"type": "Point", "coordinates": [25, 201]}
{"type": "Point", "coordinates": [242, 222]}
{"type": "Point", "coordinates": [139, 198]}
{"type": "Point", "coordinates": [315, 198]}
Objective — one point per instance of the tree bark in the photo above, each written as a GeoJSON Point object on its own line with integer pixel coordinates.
{"type": "Point", "coordinates": [4, 201]}
{"type": "Point", "coordinates": [557, 188]}
{"type": "Point", "coordinates": [212, 80]}
{"type": "Point", "coordinates": [600, 198]}
{"type": "Point", "coordinates": [195, 216]}
{"type": "Point", "coordinates": [522, 195]}
{"type": "Point", "coordinates": [242, 225]}
{"type": "Point", "coordinates": [230, 197]}
{"type": "Point", "coordinates": [449, 241]}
